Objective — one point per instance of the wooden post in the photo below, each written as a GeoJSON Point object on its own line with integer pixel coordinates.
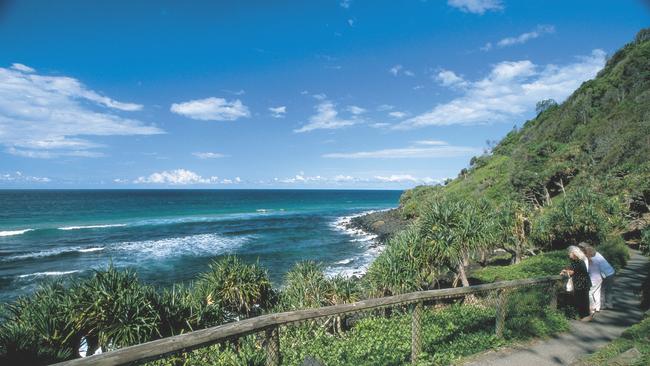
{"type": "Point", "coordinates": [272, 346]}
{"type": "Point", "coordinates": [416, 332]}
{"type": "Point", "coordinates": [554, 290]}
{"type": "Point", "coordinates": [501, 307]}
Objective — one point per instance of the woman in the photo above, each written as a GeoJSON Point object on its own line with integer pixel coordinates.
{"type": "Point", "coordinates": [595, 274]}
{"type": "Point", "coordinates": [579, 273]}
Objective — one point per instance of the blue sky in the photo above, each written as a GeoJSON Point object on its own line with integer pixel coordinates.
{"type": "Point", "coordinates": [283, 94]}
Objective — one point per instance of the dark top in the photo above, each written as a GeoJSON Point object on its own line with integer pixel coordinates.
{"type": "Point", "coordinates": [581, 280]}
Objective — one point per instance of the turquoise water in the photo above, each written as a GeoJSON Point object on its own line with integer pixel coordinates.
{"type": "Point", "coordinates": [169, 236]}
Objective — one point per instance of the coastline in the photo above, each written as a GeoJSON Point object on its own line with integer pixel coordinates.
{"type": "Point", "coordinates": [371, 229]}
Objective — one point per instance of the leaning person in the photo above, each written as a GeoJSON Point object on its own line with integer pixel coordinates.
{"type": "Point", "coordinates": [596, 278]}
{"type": "Point", "coordinates": [607, 272]}
{"type": "Point", "coordinates": [579, 273]}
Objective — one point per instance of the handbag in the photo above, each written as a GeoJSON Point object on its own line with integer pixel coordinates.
{"type": "Point", "coordinates": [569, 285]}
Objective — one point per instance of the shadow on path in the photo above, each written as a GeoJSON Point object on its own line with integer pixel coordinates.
{"type": "Point", "coordinates": [582, 338]}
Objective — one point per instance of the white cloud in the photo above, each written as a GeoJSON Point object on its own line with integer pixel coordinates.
{"type": "Point", "coordinates": [351, 22]}
{"type": "Point", "coordinates": [208, 155]}
{"type": "Point", "coordinates": [176, 177]}
{"type": "Point", "coordinates": [450, 79]}
{"type": "Point", "coordinates": [349, 180]}
{"type": "Point", "coordinates": [398, 114]}
{"type": "Point", "coordinates": [23, 68]}
{"type": "Point", "coordinates": [43, 116]}
{"type": "Point", "coordinates": [356, 110]}
{"type": "Point", "coordinates": [509, 91]}
{"type": "Point", "coordinates": [524, 37]}
{"type": "Point", "coordinates": [211, 109]}
{"type": "Point", "coordinates": [19, 177]}
{"type": "Point", "coordinates": [405, 178]}
{"type": "Point", "coordinates": [345, 4]}
{"type": "Point", "coordinates": [385, 107]}
{"type": "Point", "coordinates": [327, 118]}
{"type": "Point", "coordinates": [476, 6]}
{"type": "Point", "coordinates": [399, 70]}
{"type": "Point", "coordinates": [278, 112]}
{"type": "Point", "coordinates": [431, 142]}
{"type": "Point", "coordinates": [421, 149]}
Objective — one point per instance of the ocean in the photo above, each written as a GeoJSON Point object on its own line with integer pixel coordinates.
{"type": "Point", "coordinates": [170, 236]}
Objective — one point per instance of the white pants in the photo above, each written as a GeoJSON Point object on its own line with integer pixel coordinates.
{"type": "Point", "coordinates": [594, 297]}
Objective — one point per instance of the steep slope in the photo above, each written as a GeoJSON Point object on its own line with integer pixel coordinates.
{"type": "Point", "coordinates": [598, 138]}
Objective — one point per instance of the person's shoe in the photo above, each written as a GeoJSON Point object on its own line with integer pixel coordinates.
{"type": "Point", "coordinates": [587, 318]}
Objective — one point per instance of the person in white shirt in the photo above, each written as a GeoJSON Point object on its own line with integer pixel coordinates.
{"type": "Point", "coordinates": [602, 273]}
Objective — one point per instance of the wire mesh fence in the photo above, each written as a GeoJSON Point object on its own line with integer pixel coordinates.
{"type": "Point", "coordinates": [427, 327]}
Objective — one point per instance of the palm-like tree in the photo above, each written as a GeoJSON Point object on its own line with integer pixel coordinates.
{"type": "Point", "coordinates": [511, 229]}
{"type": "Point", "coordinates": [240, 288]}
{"type": "Point", "coordinates": [306, 287]}
{"type": "Point", "coordinates": [455, 230]}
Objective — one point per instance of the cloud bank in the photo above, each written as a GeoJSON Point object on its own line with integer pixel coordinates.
{"type": "Point", "coordinates": [42, 116]}
{"type": "Point", "coordinates": [510, 90]}
{"type": "Point", "coordinates": [211, 109]}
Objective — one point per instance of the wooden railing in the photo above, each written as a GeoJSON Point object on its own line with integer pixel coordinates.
{"type": "Point", "coordinates": [270, 324]}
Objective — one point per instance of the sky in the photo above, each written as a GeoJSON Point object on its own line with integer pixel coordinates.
{"type": "Point", "coordinates": [283, 94]}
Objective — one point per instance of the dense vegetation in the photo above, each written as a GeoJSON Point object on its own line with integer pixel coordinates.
{"type": "Point", "coordinates": [579, 171]}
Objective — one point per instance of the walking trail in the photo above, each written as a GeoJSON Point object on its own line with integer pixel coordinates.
{"type": "Point", "coordinates": [582, 338]}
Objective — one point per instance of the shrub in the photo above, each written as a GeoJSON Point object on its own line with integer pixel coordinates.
{"type": "Point", "coordinates": [240, 288]}
{"type": "Point", "coordinates": [116, 309]}
{"type": "Point", "coordinates": [405, 266]}
{"type": "Point", "coordinates": [182, 309]}
{"type": "Point", "coordinates": [36, 330]}
{"type": "Point", "coordinates": [306, 287]}
{"type": "Point", "coordinates": [578, 216]}
{"type": "Point", "coordinates": [615, 251]}
{"type": "Point", "coordinates": [544, 264]}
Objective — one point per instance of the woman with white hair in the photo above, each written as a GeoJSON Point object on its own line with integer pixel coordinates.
{"type": "Point", "coordinates": [578, 271]}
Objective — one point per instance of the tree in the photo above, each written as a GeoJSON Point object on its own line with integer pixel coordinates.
{"type": "Point", "coordinates": [544, 105]}
{"type": "Point", "coordinates": [512, 229]}
{"type": "Point", "coordinates": [455, 230]}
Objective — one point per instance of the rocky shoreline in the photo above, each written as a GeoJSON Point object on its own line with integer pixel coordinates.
{"type": "Point", "coordinates": [383, 224]}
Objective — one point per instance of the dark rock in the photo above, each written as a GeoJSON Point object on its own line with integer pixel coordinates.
{"type": "Point", "coordinates": [381, 223]}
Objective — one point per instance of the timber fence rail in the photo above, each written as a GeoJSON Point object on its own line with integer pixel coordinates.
{"type": "Point", "coordinates": [269, 326]}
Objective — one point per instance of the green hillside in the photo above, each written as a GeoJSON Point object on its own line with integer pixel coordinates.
{"type": "Point", "coordinates": [599, 138]}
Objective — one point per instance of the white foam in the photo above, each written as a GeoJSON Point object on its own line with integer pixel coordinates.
{"type": "Point", "coordinates": [14, 232]}
{"type": "Point", "coordinates": [52, 273]}
{"type": "Point", "coordinates": [90, 227]}
{"type": "Point", "coordinates": [201, 244]}
{"type": "Point", "coordinates": [51, 253]}
{"type": "Point", "coordinates": [357, 265]}
{"type": "Point", "coordinates": [90, 250]}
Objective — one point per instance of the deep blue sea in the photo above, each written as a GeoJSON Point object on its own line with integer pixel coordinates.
{"type": "Point", "coordinates": [170, 236]}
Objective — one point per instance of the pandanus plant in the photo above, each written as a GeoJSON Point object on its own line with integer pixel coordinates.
{"type": "Point", "coordinates": [239, 288]}
{"type": "Point", "coordinates": [455, 230]}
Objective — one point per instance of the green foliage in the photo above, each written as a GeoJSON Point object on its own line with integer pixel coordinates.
{"type": "Point", "coordinates": [36, 330]}
{"type": "Point", "coordinates": [305, 286]}
{"type": "Point", "coordinates": [184, 309]}
{"type": "Point", "coordinates": [406, 265]}
{"type": "Point", "coordinates": [544, 264]}
{"type": "Point", "coordinates": [455, 230]}
{"type": "Point", "coordinates": [615, 251]}
{"type": "Point", "coordinates": [116, 308]}
{"type": "Point", "coordinates": [238, 287]}
{"type": "Point", "coordinates": [580, 215]}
